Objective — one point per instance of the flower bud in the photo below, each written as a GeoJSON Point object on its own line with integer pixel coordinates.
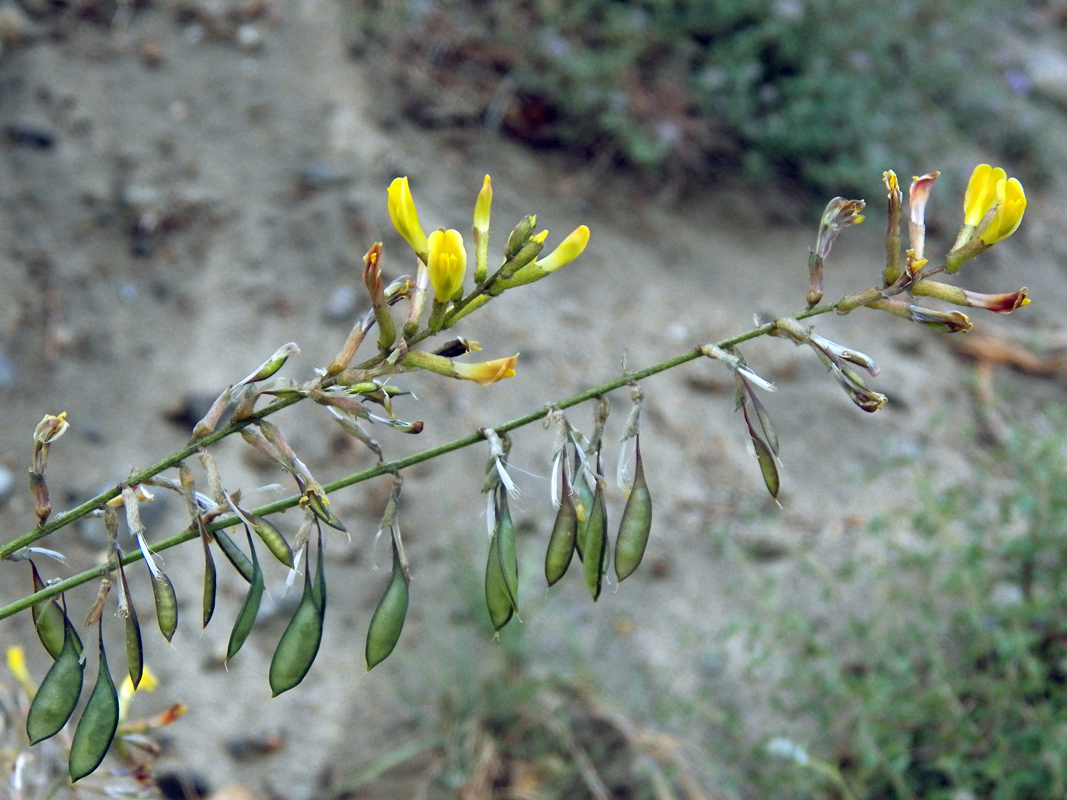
{"type": "Point", "coordinates": [405, 217]}
{"type": "Point", "coordinates": [892, 231]}
{"type": "Point", "coordinates": [519, 236]}
{"type": "Point", "coordinates": [480, 231]}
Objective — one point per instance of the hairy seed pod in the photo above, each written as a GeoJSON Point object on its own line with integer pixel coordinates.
{"type": "Point", "coordinates": [134, 646]}
{"type": "Point", "coordinates": [561, 543]}
{"type": "Point", "coordinates": [596, 543]}
{"type": "Point", "coordinates": [166, 605]}
{"type": "Point", "coordinates": [98, 723]}
{"type": "Point", "coordinates": [234, 555]}
{"type": "Point", "coordinates": [50, 621]}
{"type": "Point", "coordinates": [273, 538]}
{"type": "Point", "coordinates": [388, 619]}
{"type": "Point", "coordinates": [58, 693]}
{"type": "Point", "coordinates": [636, 524]}
{"type": "Point", "coordinates": [299, 644]}
{"type": "Point", "coordinates": [246, 617]}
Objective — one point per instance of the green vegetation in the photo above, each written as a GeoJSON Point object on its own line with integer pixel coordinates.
{"type": "Point", "coordinates": [936, 665]}
{"type": "Point", "coordinates": [823, 93]}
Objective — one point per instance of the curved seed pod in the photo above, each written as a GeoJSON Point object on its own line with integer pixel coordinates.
{"type": "Point", "coordinates": [636, 524]}
{"type": "Point", "coordinates": [234, 554]}
{"type": "Point", "coordinates": [246, 617]}
{"type": "Point", "coordinates": [99, 721]}
{"type": "Point", "coordinates": [271, 537]}
{"type": "Point", "coordinates": [596, 544]}
{"type": "Point", "coordinates": [134, 647]}
{"type": "Point", "coordinates": [509, 562]}
{"type": "Point", "coordinates": [51, 621]}
{"type": "Point", "coordinates": [299, 644]}
{"type": "Point", "coordinates": [210, 580]}
{"type": "Point", "coordinates": [388, 619]}
{"type": "Point", "coordinates": [561, 543]}
{"type": "Point", "coordinates": [497, 599]}
{"type": "Point", "coordinates": [166, 605]}
{"type": "Point", "coordinates": [765, 454]}
{"type": "Point", "coordinates": [58, 693]}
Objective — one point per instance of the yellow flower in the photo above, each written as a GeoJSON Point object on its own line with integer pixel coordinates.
{"type": "Point", "coordinates": [404, 216]}
{"type": "Point", "coordinates": [568, 250]}
{"type": "Point", "coordinates": [1011, 203]}
{"type": "Point", "coordinates": [487, 372]}
{"type": "Point", "coordinates": [447, 263]}
{"type": "Point", "coordinates": [981, 193]}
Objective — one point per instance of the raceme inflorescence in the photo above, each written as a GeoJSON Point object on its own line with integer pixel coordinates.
{"type": "Point", "coordinates": [408, 312]}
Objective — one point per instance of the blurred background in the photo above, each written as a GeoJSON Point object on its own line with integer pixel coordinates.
{"type": "Point", "coordinates": [186, 185]}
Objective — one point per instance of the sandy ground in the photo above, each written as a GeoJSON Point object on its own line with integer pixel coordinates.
{"type": "Point", "coordinates": [264, 167]}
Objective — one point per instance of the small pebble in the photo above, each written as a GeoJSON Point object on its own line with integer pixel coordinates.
{"type": "Point", "coordinates": [152, 54]}
{"type": "Point", "coordinates": [342, 304]}
{"type": "Point", "coordinates": [7, 484]}
{"type": "Point", "coordinates": [249, 38]}
{"type": "Point", "coordinates": [7, 373]}
{"type": "Point", "coordinates": [28, 135]}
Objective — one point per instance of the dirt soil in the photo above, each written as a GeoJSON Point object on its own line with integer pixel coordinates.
{"type": "Point", "coordinates": [187, 190]}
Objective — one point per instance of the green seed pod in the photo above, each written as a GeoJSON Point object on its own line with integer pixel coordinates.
{"type": "Point", "coordinates": [299, 644]}
{"type": "Point", "coordinates": [636, 524]}
{"type": "Point", "coordinates": [273, 538]}
{"type": "Point", "coordinates": [58, 693]}
{"type": "Point", "coordinates": [497, 599]}
{"type": "Point", "coordinates": [561, 543]}
{"type": "Point", "coordinates": [585, 496]}
{"type": "Point", "coordinates": [210, 581]}
{"type": "Point", "coordinates": [388, 619]}
{"type": "Point", "coordinates": [99, 721]}
{"type": "Point", "coordinates": [322, 511]}
{"type": "Point", "coordinates": [234, 554]}
{"type": "Point", "coordinates": [596, 544]}
{"type": "Point", "coordinates": [246, 617]}
{"type": "Point", "coordinates": [166, 605]}
{"type": "Point", "coordinates": [765, 455]}
{"type": "Point", "coordinates": [134, 646]}
{"type": "Point", "coordinates": [509, 563]}
{"type": "Point", "coordinates": [50, 621]}
{"type": "Point", "coordinates": [319, 589]}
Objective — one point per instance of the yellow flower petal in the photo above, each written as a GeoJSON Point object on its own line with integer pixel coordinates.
{"type": "Point", "coordinates": [568, 250]}
{"type": "Point", "coordinates": [1011, 203]}
{"type": "Point", "coordinates": [405, 217]}
{"type": "Point", "coordinates": [487, 372]}
{"type": "Point", "coordinates": [981, 193]}
{"type": "Point", "coordinates": [447, 263]}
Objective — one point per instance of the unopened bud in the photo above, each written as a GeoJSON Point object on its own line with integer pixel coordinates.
{"type": "Point", "coordinates": [519, 236]}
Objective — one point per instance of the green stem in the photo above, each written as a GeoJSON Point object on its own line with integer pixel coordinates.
{"type": "Point", "coordinates": [67, 517]}
{"type": "Point", "coordinates": [359, 477]}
